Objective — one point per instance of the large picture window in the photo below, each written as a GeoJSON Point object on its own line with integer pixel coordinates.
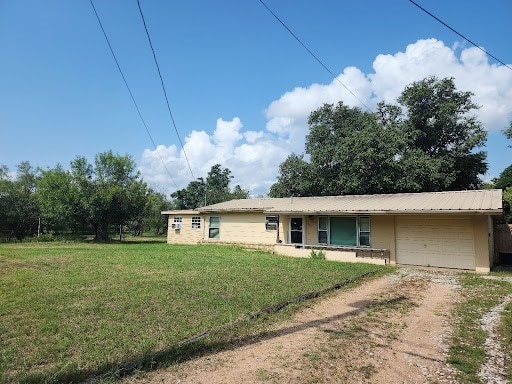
{"type": "Point", "coordinates": [214, 229]}
{"type": "Point", "coordinates": [351, 231]}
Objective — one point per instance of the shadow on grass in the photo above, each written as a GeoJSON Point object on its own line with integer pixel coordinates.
{"type": "Point", "coordinates": [138, 241]}
{"type": "Point", "coordinates": [505, 269]}
{"type": "Point", "coordinates": [226, 337]}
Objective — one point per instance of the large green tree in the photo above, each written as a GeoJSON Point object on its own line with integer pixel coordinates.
{"type": "Point", "coordinates": [442, 135]}
{"type": "Point", "coordinates": [212, 190]}
{"type": "Point", "coordinates": [92, 197]}
{"type": "Point", "coordinates": [428, 142]}
{"type": "Point", "coordinates": [56, 198]}
{"type": "Point", "coordinates": [151, 218]}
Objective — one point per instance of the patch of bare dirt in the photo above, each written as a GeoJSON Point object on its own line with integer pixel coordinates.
{"type": "Point", "coordinates": [388, 330]}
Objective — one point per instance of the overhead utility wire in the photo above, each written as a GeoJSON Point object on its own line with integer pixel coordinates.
{"type": "Point", "coordinates": [461, 35]}
{"type": "Point", "coordinates": [163, 88]}
{"type": "Point", "coordinates": [131, 94]}
{"type": "Point", "coordinates": [313, 55]}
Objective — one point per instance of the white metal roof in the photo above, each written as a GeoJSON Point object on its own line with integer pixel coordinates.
{"type": "Point", "coordinates": [473, 201]}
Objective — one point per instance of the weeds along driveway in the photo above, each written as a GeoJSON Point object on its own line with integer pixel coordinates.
{"type": "Point", "coordinates": [392, 329]}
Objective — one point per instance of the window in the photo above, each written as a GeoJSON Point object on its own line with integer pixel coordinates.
{"type": "Point", "coordinates": [322, 230]}
{"type": "Point", "coordinates": [344, 230]}
{"type": "Point", "coordinates": [177, 222]}
{"type": "Point", "coordinates": [271, 223]}
{"type": "Point", "coordinates": [364, 231]}
{"type": "Point", "coordinates": [196, 222]}
{"type": "Point", "coordinates": [214, 230]}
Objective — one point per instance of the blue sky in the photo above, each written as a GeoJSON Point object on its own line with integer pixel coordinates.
{"type": "Point", "coordinates": [240, 87]}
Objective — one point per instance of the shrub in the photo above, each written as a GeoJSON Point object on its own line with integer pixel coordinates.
{"type": "Point", "coordinates": [320, 255]}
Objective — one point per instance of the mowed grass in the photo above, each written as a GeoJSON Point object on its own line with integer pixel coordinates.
{"type": "Point", "coordinates": [69, 311]}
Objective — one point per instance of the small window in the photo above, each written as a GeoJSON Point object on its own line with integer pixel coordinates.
{"type": "Point", "coordinates": [196, 222]}
{"type": "Point", "coordinates": [322, 230]}
{"type": "Point", "coordinates": [178, 219]}
{"type": "Point", "coordinates": [214, 230]}
{"type": "Point", "coordinates": [364, 231]}
{"type": "Point", "coordinates": [271, 223]}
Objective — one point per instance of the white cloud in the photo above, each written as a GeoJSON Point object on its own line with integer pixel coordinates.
{"type": "Point", "coordinates": [253, 161]}
{"type": "Point", "coordinates": [254, 156]}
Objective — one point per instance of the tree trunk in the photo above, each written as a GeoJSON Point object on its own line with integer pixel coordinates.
{"type": "Point", "coordinates": [101, 233]}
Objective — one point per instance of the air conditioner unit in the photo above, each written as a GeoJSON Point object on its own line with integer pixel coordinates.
{"type": "Point", "coordinates": [176, 225]}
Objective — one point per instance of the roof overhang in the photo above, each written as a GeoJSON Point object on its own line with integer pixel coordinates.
{"type": "Point", "coordinates": [180, 212]}
{"type": "Point", "coordinates": [390, 212]}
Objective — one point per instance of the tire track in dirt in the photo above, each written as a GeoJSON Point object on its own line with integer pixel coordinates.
{"type": "Point", "coordinates": [390, 329]}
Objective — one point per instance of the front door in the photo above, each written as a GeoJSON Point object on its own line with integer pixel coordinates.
{"type": "Point", "coordinates": [296, 230]}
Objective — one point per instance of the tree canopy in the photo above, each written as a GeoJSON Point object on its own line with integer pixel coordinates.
{"type": "Point", "coordinates": [86, 198]}
{"type": "Point", "coordinates": [428, 142]}
{"type": "Point", "coordinates": [212, 190]}
{"type": "Point", "coordinates": [19, 210]}
{"type": "Point", "coordinates": [110, 192]}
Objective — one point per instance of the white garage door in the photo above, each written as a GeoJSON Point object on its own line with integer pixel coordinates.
{"type": "Point", "coordinates": [435, 242]}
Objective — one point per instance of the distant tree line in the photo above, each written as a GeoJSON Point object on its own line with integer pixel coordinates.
{"type": "Point", "coordinates": [101, 199]}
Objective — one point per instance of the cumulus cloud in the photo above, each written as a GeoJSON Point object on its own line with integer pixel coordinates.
{"type": "Point", "coordinates": [254, 156]}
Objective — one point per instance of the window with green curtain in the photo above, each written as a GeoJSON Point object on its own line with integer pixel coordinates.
{"type": "Point", "coordinates": [343, 230]}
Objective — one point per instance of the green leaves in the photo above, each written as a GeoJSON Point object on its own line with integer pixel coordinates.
{"type": "Point", "coordinates": [433, 146]}
{"type": "Point", "coordinates": [212, 191]}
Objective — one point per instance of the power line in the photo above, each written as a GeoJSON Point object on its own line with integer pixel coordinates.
{"type": "Point", "coordinates": [312, 54]}
{"type": "Point", "coordinates": [163, 88]}
{"type": "Point", "coordinates": [460, 34]}
{"type": "Point", "coordinates": [130, 92]}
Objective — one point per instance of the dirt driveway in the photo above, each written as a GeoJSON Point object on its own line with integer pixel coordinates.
{"type": "Point", "coordinates": [388, 330]}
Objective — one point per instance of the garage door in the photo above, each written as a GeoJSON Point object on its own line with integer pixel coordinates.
{"type": "Point", "coordinates": [432, 242]}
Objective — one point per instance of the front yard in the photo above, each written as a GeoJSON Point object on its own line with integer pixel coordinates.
{"type": "Point", "coordinates": [69, 311]}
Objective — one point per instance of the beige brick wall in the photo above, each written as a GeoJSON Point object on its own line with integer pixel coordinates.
{"type": "Point", "coordinates": [187, 234]}
{"type": "Point", "coordinates": [248, 228]}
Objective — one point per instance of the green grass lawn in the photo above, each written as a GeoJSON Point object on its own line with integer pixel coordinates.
{"type": "Point", "coordinates": [72, 310]}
